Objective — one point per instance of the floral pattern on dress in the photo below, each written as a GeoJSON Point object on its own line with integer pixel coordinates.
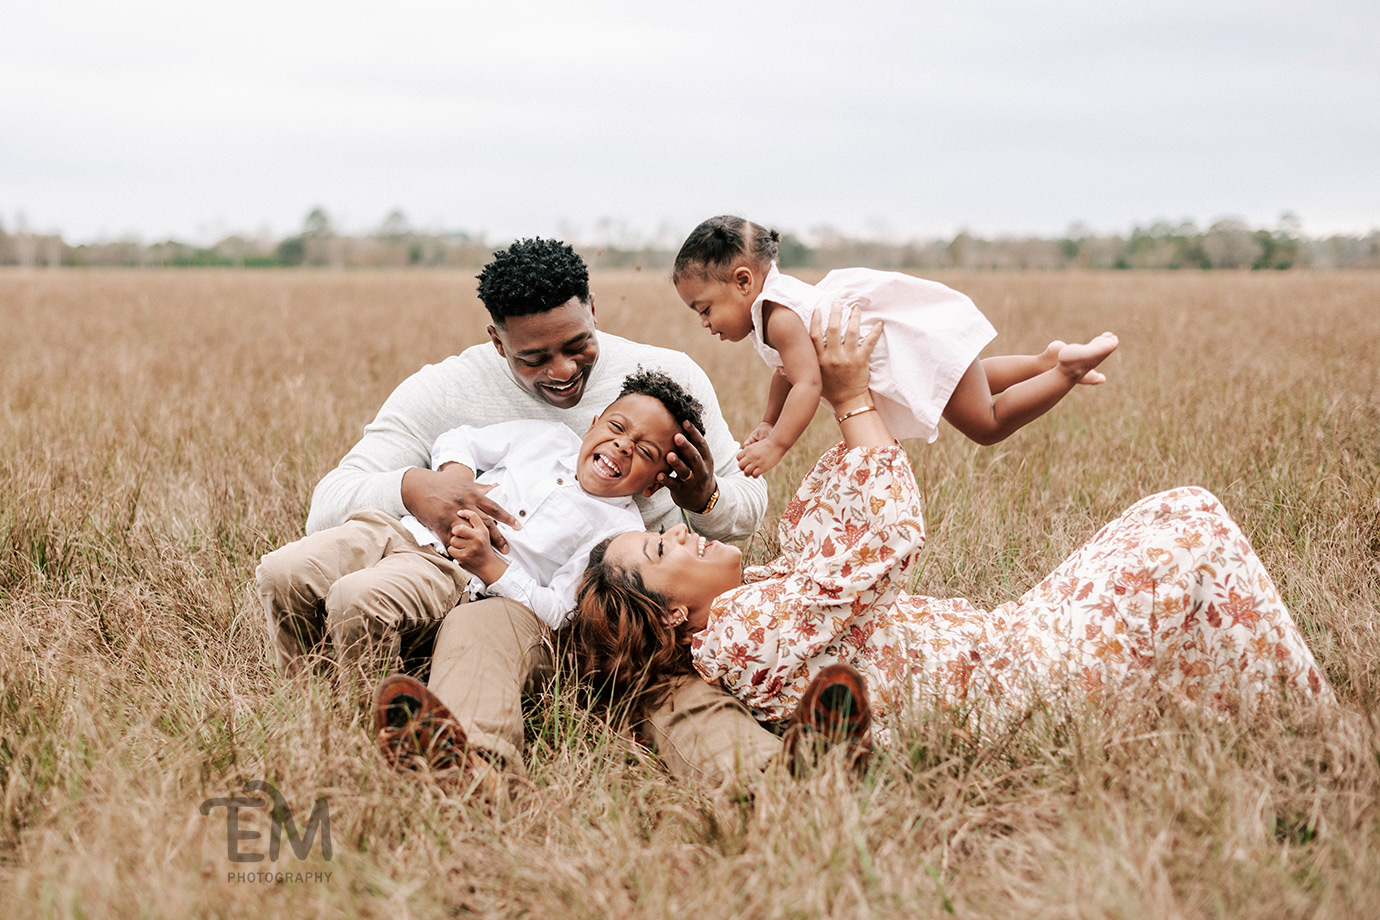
{"type": "Point", "coordinates": [1170, 592]}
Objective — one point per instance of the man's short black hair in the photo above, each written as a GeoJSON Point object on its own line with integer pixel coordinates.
{"type": "Point", "coordinates": [659, 385]}
{"type": "Point", "coordinates": [532, 276]}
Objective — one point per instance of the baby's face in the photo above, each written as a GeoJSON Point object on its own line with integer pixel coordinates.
{"type": "Point", "coordinates": [724, 307]}
{"type": "Point", "coordinates": [626, 447]}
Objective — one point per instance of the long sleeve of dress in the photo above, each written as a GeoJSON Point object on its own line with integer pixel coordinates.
{"type": "Point", "coordinates": [851, 535]}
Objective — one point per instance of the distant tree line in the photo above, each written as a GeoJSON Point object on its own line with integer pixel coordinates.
{"type": "Point", "coordinates": [1226, 244]}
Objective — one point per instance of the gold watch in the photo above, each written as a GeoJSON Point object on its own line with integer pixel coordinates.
{"type": "Point", "coordinates": [713, 500]}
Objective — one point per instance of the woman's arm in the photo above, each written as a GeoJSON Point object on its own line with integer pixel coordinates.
{"type": "Point", "coordinates": [857, 531]}
{"type": "Point", "coordinates": [851, 534]}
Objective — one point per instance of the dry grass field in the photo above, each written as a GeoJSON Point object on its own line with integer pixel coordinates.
{"type": "Point", "coordinates": [160, 430]}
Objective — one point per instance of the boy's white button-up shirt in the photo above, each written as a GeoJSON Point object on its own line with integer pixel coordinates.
{"type": "Point", "coordinates": [531, 465]}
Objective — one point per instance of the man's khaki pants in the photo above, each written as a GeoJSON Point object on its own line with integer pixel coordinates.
{"type": "Point", "coordinates": [490, 652]}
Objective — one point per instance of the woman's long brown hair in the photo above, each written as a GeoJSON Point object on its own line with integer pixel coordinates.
{"type": "Point", "coordinates": [622, 646]}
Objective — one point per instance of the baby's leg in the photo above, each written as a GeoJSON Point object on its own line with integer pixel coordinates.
{"type": "Point", "coordinates": [1078, 361]}
{"type": "Point", "coordinates": [987, 420]}
{"type": "Point", "coordinates": [1005, 371]}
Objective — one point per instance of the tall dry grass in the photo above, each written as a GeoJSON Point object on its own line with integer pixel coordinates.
{"type": "Point", "coordinates": [159, 431]}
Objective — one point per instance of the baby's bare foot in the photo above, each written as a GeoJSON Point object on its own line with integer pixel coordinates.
{"type": "Point", "coordinates": [1078, 361]}
{"type": "Point", "coordinates": [1049, 358]}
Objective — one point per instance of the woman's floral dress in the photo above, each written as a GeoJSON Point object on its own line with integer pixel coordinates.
{"type": "Point", "coordinates": [1170, 593]}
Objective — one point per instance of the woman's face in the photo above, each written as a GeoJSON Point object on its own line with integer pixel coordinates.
{"type": "Point", "coordinates": [689, 570]}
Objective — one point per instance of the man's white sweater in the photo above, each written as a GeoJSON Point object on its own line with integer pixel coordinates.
{"type": "Point", "coordinates": [476, 387]}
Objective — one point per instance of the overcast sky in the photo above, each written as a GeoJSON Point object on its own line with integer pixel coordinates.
{"type": "Point", "coordinates": [155, 118]}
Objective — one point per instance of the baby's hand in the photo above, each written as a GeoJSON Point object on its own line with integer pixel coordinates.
{"type": "Point", "coordinates": [760, 433]}
{"type": "Point", "coordinates": [760, 456]}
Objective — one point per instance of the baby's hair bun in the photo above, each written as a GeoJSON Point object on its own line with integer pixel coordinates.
{"type": "Point", "coordinates": [719, 243]}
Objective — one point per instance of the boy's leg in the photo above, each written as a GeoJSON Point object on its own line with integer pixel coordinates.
{"type": "Point", "coordinates": [292, 582]}
{"type": "Point", "coordinates": [408, 590]}
{"type": "Point", "coordinates": [701, 731]}
{"type": "Point", "coordinates": [488, 653]}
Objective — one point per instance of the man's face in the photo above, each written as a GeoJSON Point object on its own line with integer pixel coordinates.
{"type": "Point", "coordinates": [551, 354]}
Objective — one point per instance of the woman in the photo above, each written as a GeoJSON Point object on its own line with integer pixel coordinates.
{"type": "Point", "coordinates": [1169, 596]}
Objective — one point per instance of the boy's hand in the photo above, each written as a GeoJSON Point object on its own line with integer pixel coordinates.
{"type": "Point", "coordinates": [435, 497]}
{"type": "Point", "coordinates": [470, 546]}
{"type": "Point", "coordinates": [757, 458]}
{"type": "Point", "coordinates": [760, 433]}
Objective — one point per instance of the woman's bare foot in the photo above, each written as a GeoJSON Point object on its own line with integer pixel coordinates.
{"type": "Point", "coordinates": [1078, 361]}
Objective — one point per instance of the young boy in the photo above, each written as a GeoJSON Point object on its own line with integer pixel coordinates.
{"type": "Point", "coordinates": [389, 576]}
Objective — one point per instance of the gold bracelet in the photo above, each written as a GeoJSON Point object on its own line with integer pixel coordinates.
{"type": "Point", "coordinates": [713, 500]}
{"type": "Point", "coordinates": [852, 412]}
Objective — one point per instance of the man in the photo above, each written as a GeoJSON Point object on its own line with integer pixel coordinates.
{"type": "Point", "coordinates": [547, 360]}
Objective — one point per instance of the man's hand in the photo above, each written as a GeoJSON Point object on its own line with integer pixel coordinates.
{"type": "Point", "coordinates": [693, 465]}
{"type": "Point", "coordinates": [436, 497]}
{"type": "Point", "coordinates": [469, 545]}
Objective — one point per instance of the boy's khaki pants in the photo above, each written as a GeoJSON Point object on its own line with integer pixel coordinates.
{"type": "Point", "coordinates": [366, 584]}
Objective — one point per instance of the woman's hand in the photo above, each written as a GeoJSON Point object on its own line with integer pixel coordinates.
{"type": "Point", "coordinates": [843, 355]}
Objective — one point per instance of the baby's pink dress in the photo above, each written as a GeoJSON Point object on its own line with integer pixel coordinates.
{"type": "Point", "coordinates": [932, 335]}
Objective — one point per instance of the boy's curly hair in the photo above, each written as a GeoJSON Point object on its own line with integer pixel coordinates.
{"type": "Point", "coordinates": [659, 385]}
{"type": "Point", "coordinates": [532, 276]}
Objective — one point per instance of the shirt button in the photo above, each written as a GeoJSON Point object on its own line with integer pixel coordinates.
{"type": "Point", "coordinates": [522, 514]}
{"type": "Point", "coordinates": [560, 481]}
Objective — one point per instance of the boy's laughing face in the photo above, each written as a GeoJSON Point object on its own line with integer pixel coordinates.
{"type": "Point", "coordinates": [626, 447]}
